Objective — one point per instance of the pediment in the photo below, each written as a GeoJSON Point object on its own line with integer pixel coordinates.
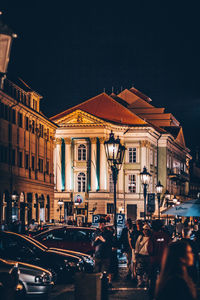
{"type": "Point", "coordinates": [180, 138]}
{"type": "Point", "coordinates": [79, 117]}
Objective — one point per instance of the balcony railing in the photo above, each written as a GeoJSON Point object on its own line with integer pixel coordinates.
{"type": "Point", "coordinates": [177, 174]}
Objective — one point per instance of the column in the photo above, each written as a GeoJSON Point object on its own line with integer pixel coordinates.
{"type": "Point", "coordinates": [58, 165]}
{"type": "Point", "coordinates": [121, 180]}
{"type": "Point", "coordinates": [93, 165]}
{"type": "Point", "coordinates": [67, 164]}
{"type": "Point", "coordinates": [143, 155]}
{"type": "Point", "coordinates": [103, 166]}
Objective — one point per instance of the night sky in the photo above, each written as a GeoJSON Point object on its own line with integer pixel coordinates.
{"type": "Point", "coordinates": [69, 53]}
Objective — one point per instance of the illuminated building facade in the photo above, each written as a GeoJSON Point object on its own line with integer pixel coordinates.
{"type": "Point", "coordinates": [26, 155]}
{"type": "Point", "coordinates": [152, 138]}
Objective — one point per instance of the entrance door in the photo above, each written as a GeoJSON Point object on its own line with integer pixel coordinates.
{"type": "Point", "coordinates": [132, 211]}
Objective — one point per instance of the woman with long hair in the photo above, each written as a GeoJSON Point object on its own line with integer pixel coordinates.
{"type": "Point", "coordinates": [174, 282]}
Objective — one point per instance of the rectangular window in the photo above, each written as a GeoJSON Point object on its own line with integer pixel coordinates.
{"type": "Point", "coordinates": [13, 113]}
{"type": "Point", "coordinates": [13, 157]}
{"type": "Point", "coordinates": [132, 155]}
{"type": "Point", "coordinates": [4, 154]}
{"type": "Point", "coordinates": [110, 208]}
{"type": "Point", "coordinates": [40, 165]}
{"type": "Point", "coordinates": [151, 156]}
{"type": "Point", "coordinates": [111, 184]}
{"type": "Point", "coordinates": [20, 159]}
{"type": "Point", "coordinates": [131, 184]}
{"type": "Point", "coordinates": [26, 161]}
{"type": "Point", "coordinates": [47, 167]}
{"type": "Point", "coordinates": [41, 130]}
{"type": "Point", "coordinates": [20, 122]}
{"type": "Point", "coordinates": [33, 163]}
{"type": "Point", "coordinates": [27, 123]}
{"type": "Point", "coordinates": [6, 113]}
{"type": "Point", "coordinates": [47, 134]}
{"type": "Point", "coordinates": [33, 126]}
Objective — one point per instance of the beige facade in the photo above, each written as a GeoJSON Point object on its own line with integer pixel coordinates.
{"type": "Point", "coordinates": [26, 156]}
{"type": "Point", "coordinates": [81, 166]}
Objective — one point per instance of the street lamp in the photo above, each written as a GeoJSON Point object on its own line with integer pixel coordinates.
{"type": "Point", "coordinates": [6, 37]}
{"type": "Point", "coordinates": [60, 204]}
{"type": "Point", "coordinates": [115, 156]}
{"type": "Point", "coordinates": [159, 189]}
{"type": "Point", "coordinates": [145, 178]}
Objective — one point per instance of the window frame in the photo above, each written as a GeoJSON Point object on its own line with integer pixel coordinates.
{"type": "Point", "coordinates": [82, 152]}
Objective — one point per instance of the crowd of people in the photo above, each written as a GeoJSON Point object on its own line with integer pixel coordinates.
{"type": "Point", "coordinates": [152, 252]}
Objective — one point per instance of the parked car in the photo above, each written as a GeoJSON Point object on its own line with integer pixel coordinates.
{"type": "Point", "coordinates": [69, 238]}
{"type": "Point", "coordinates": [34, 280]}
{"type": "Point", "coordinates": [9, 279]}
{"type": "Point", "coordinates": [88, 260]}
{"type": "Point", "coordinates": [22, 248]}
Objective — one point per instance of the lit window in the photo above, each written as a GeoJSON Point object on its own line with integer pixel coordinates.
{"type": "Point", "coordinates": [81, 152]}
{"type": "Point", "coordinates": [110, 208]}
{"type": "Point", "coordinates": [111, 184]}
{"type": "Point", "coordinates": [132, 155]}
{"type": "Point", "coordinates": [81, 182]}
{"type": "Point", "coordinates": [151, 157]}
{"type": "Point", "coordinates": [132, 184]}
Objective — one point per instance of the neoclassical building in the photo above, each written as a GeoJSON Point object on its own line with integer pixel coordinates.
{"type": "Point", "coordinates": [26, 155]}
{"type": "Point", "coordinates": [152, 138]}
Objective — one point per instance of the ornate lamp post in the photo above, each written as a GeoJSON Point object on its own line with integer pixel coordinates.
{"type": "Point", "coordinates": [159, 189]}
{"type": "Point", "coordinates": [145, 178]}
{"type": "Point", "coordinates": [60, 204]}
{"type": "Point", "coordinates": [115, 156]}
{"type": "Point", "coordinates": [6, 37]}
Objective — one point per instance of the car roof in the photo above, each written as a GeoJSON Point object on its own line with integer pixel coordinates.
{"type": "Point", "coordinates": [65, 227]}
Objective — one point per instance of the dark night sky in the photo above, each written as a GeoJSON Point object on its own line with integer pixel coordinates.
{"type": "Point", "coordinates": [69, 53]}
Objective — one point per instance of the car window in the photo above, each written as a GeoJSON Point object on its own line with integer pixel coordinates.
{"type": "Point", "coordinates": [54, 235]}
{"type": "Point", "coordinates": [12, 247]}
{"type": "Point", "coordinates": [79, 236]}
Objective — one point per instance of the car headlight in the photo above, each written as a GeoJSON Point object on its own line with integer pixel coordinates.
{"type": "Point", "coordinates": [44, 278]}
{"type": "Point", "coordinates": [89, 260]}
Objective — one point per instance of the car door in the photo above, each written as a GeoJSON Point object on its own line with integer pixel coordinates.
{"type": "Point", "coordinates": [78, 240]}
{"type": "Point", "coordinates": [51, 238]}
{"type": "Point", "coordinates": [14, 249]}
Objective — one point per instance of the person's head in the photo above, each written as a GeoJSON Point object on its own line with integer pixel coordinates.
{"type": "Point", "coordinates": [157, 225]}
{"type": "Point", "coordinates": [146, 230]}
{"type": "Point", "coordinates": [129, 223]}
{"type": "Point", "coordinates": [102, 223]}
{"type": "Point", "coordinates": [139, 225]}
{"type": "Point", "coordinates": [186, 232]}
{"type": "Point", "coordinates": [176, 258]}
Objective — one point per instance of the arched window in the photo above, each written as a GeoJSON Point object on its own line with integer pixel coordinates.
{"type": "Point", "coordinates": [81, 152]}
{"type": "Point", "coordinates": [81, 182]}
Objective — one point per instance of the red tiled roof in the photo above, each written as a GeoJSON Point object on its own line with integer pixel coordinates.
{"type": "Point", "coordinates": [105, 107]}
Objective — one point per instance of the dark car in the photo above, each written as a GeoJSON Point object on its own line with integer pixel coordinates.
{"type": "Point", "coordinates": [69, 238]}
{"type": "Point", "coordinates": [21, 248]}
{"type": "Point", "coordinates": [9, 279]}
